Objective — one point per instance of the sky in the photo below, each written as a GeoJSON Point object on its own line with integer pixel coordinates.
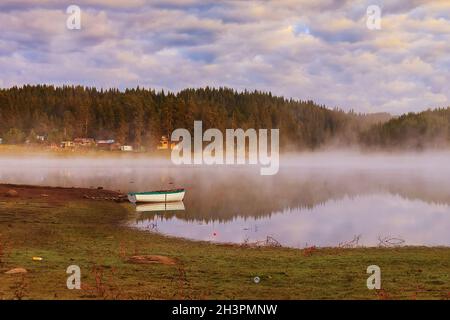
{"type": "Point", "coordinates": [321, 50]}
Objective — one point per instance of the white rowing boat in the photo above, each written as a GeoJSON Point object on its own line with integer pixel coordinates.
{"type": "Point", "coordinates": [157, 196]}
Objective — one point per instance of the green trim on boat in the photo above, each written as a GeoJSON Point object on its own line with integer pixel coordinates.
{"type": "Point", "coordinates": [156, 192]}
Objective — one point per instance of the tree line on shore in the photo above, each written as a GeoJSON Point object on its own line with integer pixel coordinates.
{"type": "Point", "coordinates": [141, 116]}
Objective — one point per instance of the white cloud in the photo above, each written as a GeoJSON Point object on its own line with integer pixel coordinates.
{"type": "Point", "coordinates": [318, 50]}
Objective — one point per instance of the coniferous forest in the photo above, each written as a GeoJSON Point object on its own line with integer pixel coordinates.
{"type": "Point", "coordinates": [141, 116]}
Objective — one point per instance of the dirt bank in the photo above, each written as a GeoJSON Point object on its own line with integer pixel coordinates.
{"type": "Point", "coordinates": [55, 194]}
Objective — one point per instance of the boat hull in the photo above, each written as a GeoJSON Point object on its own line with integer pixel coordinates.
{"type": "Point", "coordinates": [158, 196]}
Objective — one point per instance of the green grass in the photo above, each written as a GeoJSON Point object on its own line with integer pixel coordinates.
{"type": "Point", "coordinates": [93, 236]}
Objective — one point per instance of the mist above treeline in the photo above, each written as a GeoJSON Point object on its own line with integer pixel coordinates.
{"type": "Point", "coordinates": [140, 117]}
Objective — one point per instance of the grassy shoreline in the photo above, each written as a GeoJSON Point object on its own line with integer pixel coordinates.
{"type": "Point", "coordinates": [71, 230]}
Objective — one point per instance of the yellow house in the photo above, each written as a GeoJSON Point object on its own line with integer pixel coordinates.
{"type": "Point", "coordinates": [164, 144]}
{"type": "Point", "coordinates": [67, 144]}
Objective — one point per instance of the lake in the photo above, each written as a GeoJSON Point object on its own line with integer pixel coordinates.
{"type": "Point", "coordinates": [316, 199]}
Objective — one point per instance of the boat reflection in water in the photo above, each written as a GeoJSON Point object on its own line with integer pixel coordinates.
{"type": "Point", "coordinates": [162, 206]}
{"type": "Point", "coordinates": [152, 213]}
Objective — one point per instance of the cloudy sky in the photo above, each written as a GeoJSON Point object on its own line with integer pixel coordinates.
{"type": "Point", "coordinates": [320, 50]}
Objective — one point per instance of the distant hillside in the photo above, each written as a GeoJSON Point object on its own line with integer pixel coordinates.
{"type": "Point", "coordinates": [367, 120]}
{"type": "Point", "coordinates": [426, 129]}
{"type": "Point", "coordinates": [141, 116]}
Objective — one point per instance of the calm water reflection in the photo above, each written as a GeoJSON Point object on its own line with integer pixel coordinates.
{"type": "Point", "coordinates": [372, 217]}
{"type": "Point", "coordinates": [321, 199]}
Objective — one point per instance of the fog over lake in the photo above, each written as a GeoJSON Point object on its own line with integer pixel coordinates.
{"type": "Point", "coordinates": [322, 198]}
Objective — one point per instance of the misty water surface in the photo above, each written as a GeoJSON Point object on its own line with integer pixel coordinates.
{"type": "Point", "coordinates": [321, 199]}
